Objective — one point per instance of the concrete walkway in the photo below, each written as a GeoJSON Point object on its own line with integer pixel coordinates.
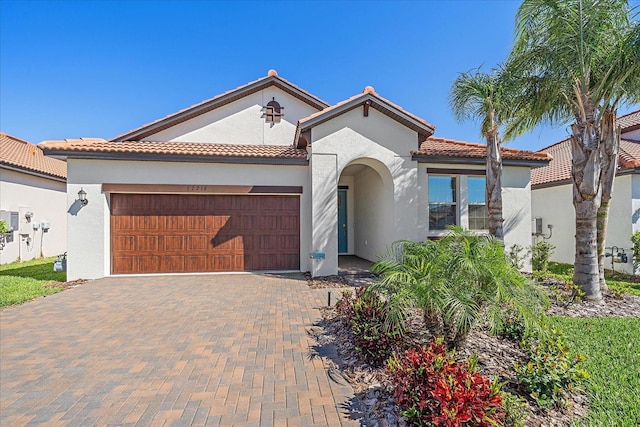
{"type": "Point", "coordinates": [211, 350]}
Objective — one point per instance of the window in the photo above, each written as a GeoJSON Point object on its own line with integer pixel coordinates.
{"type": "Point", "coordinates": [442, 202]}
{"type": "Point", "coordinates": [273, 112]}
{"type": "Point", "coordinates": [478, 216]}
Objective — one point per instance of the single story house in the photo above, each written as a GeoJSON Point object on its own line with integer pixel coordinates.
{"type": "Point", "coordinates": [268, 176]}
{"type": "Point", "coordinates": [552, 198]}
{"type": "Point", "coordinates": [33, 201]}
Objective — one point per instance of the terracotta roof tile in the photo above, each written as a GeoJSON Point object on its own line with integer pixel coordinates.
{"type": "Point", "coordinates": [97, 145]}
{"type": "Point", "coordinates": [369, 90]}
{"type": "Point", "coordinates": [629, 156]}
{"type": "Point", "coordinates": [25, 155]}
{"type": "Point", "coordinates": [559, 169]}
{"type": "Point", "coordinates": [629, 120]}
{"type": "Point", "coordinates": [437, 147]}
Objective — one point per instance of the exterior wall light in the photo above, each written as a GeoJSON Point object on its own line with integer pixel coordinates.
{"type": "Point", "coordinates": [82, 197]}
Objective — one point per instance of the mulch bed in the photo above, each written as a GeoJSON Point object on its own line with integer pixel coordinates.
{"type": "Point", "coordinates": [496, 356]}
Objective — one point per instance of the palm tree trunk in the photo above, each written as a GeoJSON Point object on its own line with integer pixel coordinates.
{"type": "Point", "coordinates": [587, 193]}
{"type": "Point", "coordinates": [494, 185]}
{"type": "Point", "coordinates": [610, 143]}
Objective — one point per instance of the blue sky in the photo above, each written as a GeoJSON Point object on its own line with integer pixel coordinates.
{"type": "Point", "coordinates": [99, 68]}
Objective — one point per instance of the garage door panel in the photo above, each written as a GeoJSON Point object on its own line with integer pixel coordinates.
{"type": "Point", "coordinates": [196, 222]}
{"type": "Point", "coordinates": [147, 222]}
{"type": "Point", "coordinates": [147, 243]}
{"type": "Point", "coordinates": [123, 243]}
{"type": "Point", "coordinates": [174, 223]}
{"type": "Point", "coordinates": [196, 263]}
{"type": "Point", "coordinates": [154, 233]}
{"type": "Point", "coordinates": [173, 262]}
{"type": "Point", "coordinates": [174, 243]}
{"type": "Point", "coordinates": [147, 263]}
{"type": "Point", "coordinates": [197, 243]}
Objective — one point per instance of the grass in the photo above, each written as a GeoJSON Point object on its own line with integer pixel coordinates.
{"type": "Point", "coordinates": [23, 281]}
{"type": "Point", "coordinates": [617, 282]}
{"type": "Point", "coordinates": [612, 349]}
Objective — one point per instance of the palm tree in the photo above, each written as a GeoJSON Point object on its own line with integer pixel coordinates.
{"type": "Point", "coordinates": [480, 95]}
{"type": "Point", "coordinates": [580, 60]}
{"type": "Point", "coordinates": [457, 282]}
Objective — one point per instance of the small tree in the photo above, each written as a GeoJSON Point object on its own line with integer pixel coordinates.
{"type": "Point", "coordinates": [456, 282]}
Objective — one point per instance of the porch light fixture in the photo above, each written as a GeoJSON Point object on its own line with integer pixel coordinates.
{"type": "Point", "coordinates": [82, 196]}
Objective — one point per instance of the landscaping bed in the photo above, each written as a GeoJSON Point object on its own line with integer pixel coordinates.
{"type": "Point", "coordinates": [496, 357]}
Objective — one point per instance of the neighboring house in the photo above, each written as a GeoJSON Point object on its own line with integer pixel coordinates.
{"type": "Point", "coordinates": [269, 177]}
{"type": "Point", "coordinates": [552, 197]}
{"type": "Point", "coordinates": [33, 201]}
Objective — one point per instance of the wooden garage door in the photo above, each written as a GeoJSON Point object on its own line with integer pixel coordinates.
{"type": "Point", "coordinates": [172, 233]}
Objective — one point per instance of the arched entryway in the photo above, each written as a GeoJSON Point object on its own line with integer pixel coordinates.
{"type": "Point", "coordinates": [365, 209]}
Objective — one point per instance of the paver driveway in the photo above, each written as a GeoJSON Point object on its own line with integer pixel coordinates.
{"type": "Point", "coordinates": [172, 350]}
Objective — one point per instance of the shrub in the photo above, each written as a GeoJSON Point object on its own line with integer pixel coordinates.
{"type": "Point", "coordinates": [551, 370]}
{"type": "Point", "coordinates": [366, 313]}
{"type": "Point", "coordinates": [457, 282]}
{"type": "Point", "coordinates": [517, 255]}
{"type": "Point", "coordinates": [514, 409]}
{"type": "Point", "coordinates": [512, 328]}
{"type": "Point", "coordinates": [540, 255]}
{"type": "Point", "coordinates": [433, 389]}
{"type": "Point", "coordinates": [635, 239]}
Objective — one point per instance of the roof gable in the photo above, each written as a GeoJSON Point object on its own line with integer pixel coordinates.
{"type": "Point", "coordinates": [23, 155]}
{"type": "Point", "coordinates": [272, 79]}
{"type": "Point", "coordinates": [367, 99]}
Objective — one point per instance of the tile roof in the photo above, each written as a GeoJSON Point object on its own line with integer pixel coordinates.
{"type": "Point", "coordinates": [71, 147]}
{"type": "Point", "coordinates": [444, 147]}
{"type": "Point", "coordinates": [195, 110]}
{"type": "Point", "coordinates": [629, 120]}
{"type": "Point", "coordinates": [559, 170]}
{"type": "Point", "coordinates": [378, 102]}
{"type": "Point", "coordinates": [24, 155]}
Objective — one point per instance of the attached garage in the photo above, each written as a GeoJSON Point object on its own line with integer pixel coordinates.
{"type": "Point", "coordinates": [186, 233]}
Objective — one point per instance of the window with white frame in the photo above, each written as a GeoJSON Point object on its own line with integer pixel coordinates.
{"type": "Point", "coordinates": [477, 213]}
{"type": "Point", "coordinates": [443, 210]}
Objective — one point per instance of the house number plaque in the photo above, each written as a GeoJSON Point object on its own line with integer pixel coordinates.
{"type": "Point", "coordinates": [196, 188]}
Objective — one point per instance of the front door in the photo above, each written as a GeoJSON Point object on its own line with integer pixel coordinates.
{"type": "Point", "coordinates": [342, 222]}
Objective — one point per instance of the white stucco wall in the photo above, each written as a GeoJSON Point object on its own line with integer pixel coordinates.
{"type": "Point", "coordinates": [89, 226]}
{"type": "Point", "coordinates": [388, 185]}
{"type": "Point", "coordinates": [555, 206]}
{"type": "Point", "coordinates": [516, 207]}
{"type": "Point", "coordinates": [46, 199]}
{"type": "Point", "coordinates": [242, 122]}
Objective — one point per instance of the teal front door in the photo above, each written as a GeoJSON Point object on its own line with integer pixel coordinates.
{"type": "Point", "coordinates": [342, 222]}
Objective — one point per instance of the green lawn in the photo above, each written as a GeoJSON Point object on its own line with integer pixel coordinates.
{"type": "Point", "coordinates": [22, 281]}
{"type": "Point", "coordinates": [618, 282]}
{"type": "Point", "coordinates": [612, 350]}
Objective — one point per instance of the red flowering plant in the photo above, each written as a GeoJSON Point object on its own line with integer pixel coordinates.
{"type": "Point", "coordinates": [434, 390]}
{"type": "Point", "coordinates": [366, 313]}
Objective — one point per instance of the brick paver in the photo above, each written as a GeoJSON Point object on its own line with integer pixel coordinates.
{"type": "Point", "coordinates": [208, 350]}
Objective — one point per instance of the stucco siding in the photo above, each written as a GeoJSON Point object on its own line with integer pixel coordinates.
{"type": "Point", "coordinates": [516, 208]}
{"type": "Point", "coordinates": [89, 251]}
{"type": "Point", "coordinates": [385, 189]}
{"type": "Point", "coordinates": [555, 206]}
{"type": "Point", "coordinates": [635, 203]}
{"type": "Point", "coordinates": [46, 199]}
{"type": "Point", "coordinates": [376, 127]}
{"type": "Point", "coordinates": [241, 122]}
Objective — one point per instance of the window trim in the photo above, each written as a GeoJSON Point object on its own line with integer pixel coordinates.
{"type": "Point", "coordinates": [462, 200]}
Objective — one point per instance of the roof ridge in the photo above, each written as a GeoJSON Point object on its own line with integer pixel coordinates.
{"type": "Point", "coordinates": [271, 75]}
